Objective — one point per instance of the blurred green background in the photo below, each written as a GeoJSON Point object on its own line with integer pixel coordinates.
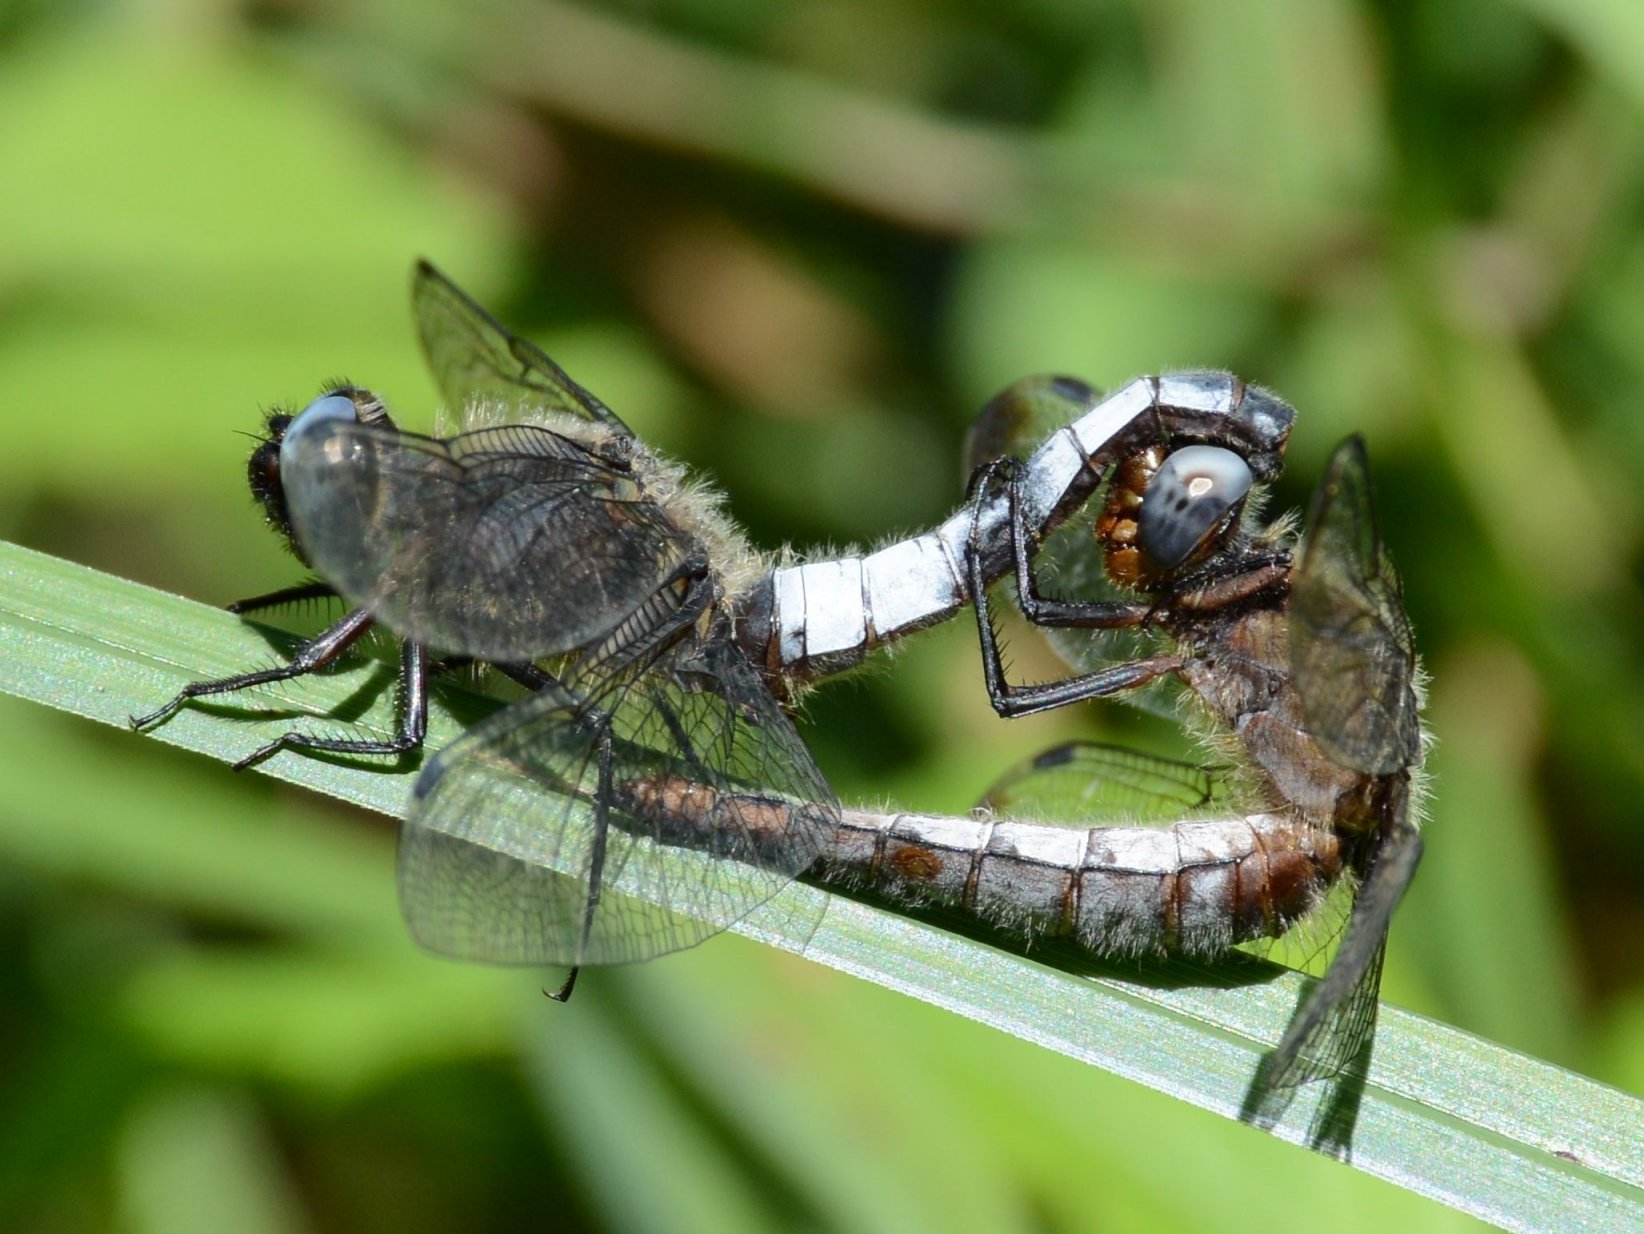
{"type": "Point", "coordinates": [797, 245]}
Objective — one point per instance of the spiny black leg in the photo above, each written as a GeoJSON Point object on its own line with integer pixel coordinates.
{"type": "Point", "coordinates": [596, 857]}
{"type": "Point", "coordinates": [524, 673]}
{"type": "Point", "coordinates": [1047, 611]}
{"type": "Point", "coordinates": [563, 994]}
{"type": "Point", "coordinates": [286, 595]}
{"type": "Point", "coordinates": [318, 652]}
{"type": "Point", "coordinates": [1011, 701]}
{"type": "Point", "coordinates": [683, 741]}
{"type": "Point", "coordinates": [409, 733]}
{"type": "Point", "coordinates": [1039, 609]}
{"type": "Point", "coordinates": [527, 675]}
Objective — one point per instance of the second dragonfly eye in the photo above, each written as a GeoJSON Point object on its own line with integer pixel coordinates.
{"type": "Point", "coordinates": [1187, 499]}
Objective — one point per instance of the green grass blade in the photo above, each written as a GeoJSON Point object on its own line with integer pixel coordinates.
{"type": "Point", "coordinates": [1518, 1142]}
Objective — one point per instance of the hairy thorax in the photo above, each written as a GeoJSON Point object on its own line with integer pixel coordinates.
{"type": "Point", "coordinates": [1243, 678]}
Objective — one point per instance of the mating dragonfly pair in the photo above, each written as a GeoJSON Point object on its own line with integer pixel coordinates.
{"type": "Point", "coordinates": [649, 789]}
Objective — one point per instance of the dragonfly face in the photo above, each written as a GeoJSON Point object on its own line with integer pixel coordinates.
{"type": "Point", "coordinates": [1303, 653]}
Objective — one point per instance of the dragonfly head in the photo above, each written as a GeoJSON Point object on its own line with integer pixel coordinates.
{"type": "Point", "coordinates": [1167, 511]}
{"type": "Point", "coordinates": [339, 400]}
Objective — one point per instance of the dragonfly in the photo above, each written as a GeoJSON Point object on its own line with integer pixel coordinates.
{"type": "Point", "coordinates": [543, 538]}
{"type": "Point", "coordinates": [649, 789]}
{"type": "Point", "coordinates": [1297, 655]}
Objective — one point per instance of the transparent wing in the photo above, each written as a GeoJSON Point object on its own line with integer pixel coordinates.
{"type": "Point", "coordinates": [1336, 1035]}
{"type": "Point", "coordinates": [1353, 664]}
{"type": "Point", "coordinates": [599, 829]}
{"type": "Point", "coordinates": [474, 358]}
{"type": "Point", "coordinates": [1311, 943]}
{"type": "Point", "coordinates": [1337, 1016]}
{"type": "Point", "coordinates": [1088, 783]}
{"type": "Point", "coordinates": [507, 543]}
{"type": "Point", "coordinates": [1351, 651]}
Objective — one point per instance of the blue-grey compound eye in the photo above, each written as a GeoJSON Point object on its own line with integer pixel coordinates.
{"type": "Point", "coordinates": [1187, 499]}
{"type": "Point", "coordinates": [322, 410]}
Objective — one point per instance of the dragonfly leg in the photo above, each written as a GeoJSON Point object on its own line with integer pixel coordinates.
{"type": "Point", "coordinates": [1011, 701]}
{"type": "Point", "coordinates": [408, 734]}
{"type": "Point", "coordinates": [319, 651]}
{"type": "Point", "coordinates": [527, 675]}
{"type": "Point", "coordinates": [1044, 610]}
{"type": "Point", "coordinates": [563, 994]}
{"type": "Point", "coordinates": [1008, 700]}
{"type": "Point", "coordinates": [285, 595]}
{"type": "Point", "coordinates": [596, 855]}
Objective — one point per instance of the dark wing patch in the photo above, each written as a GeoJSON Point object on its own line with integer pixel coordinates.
{"type": "Point", "coordinates": [475, 358]}
{"type": "Point", "coordinates": [504, 544]}
{"type": "Point", "coordinates": [1351, 649]}
{"type": "Point", "coordinates": [1088, 783]}
{"type": "Point", "coordinates": [602, 823]}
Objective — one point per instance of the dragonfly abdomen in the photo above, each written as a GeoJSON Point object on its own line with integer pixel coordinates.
{"type": "Point", "coordinates": [1196, 888]}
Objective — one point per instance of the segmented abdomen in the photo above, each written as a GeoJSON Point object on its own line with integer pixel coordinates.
{"type": "Point", "coordinates": [1195, 888]}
